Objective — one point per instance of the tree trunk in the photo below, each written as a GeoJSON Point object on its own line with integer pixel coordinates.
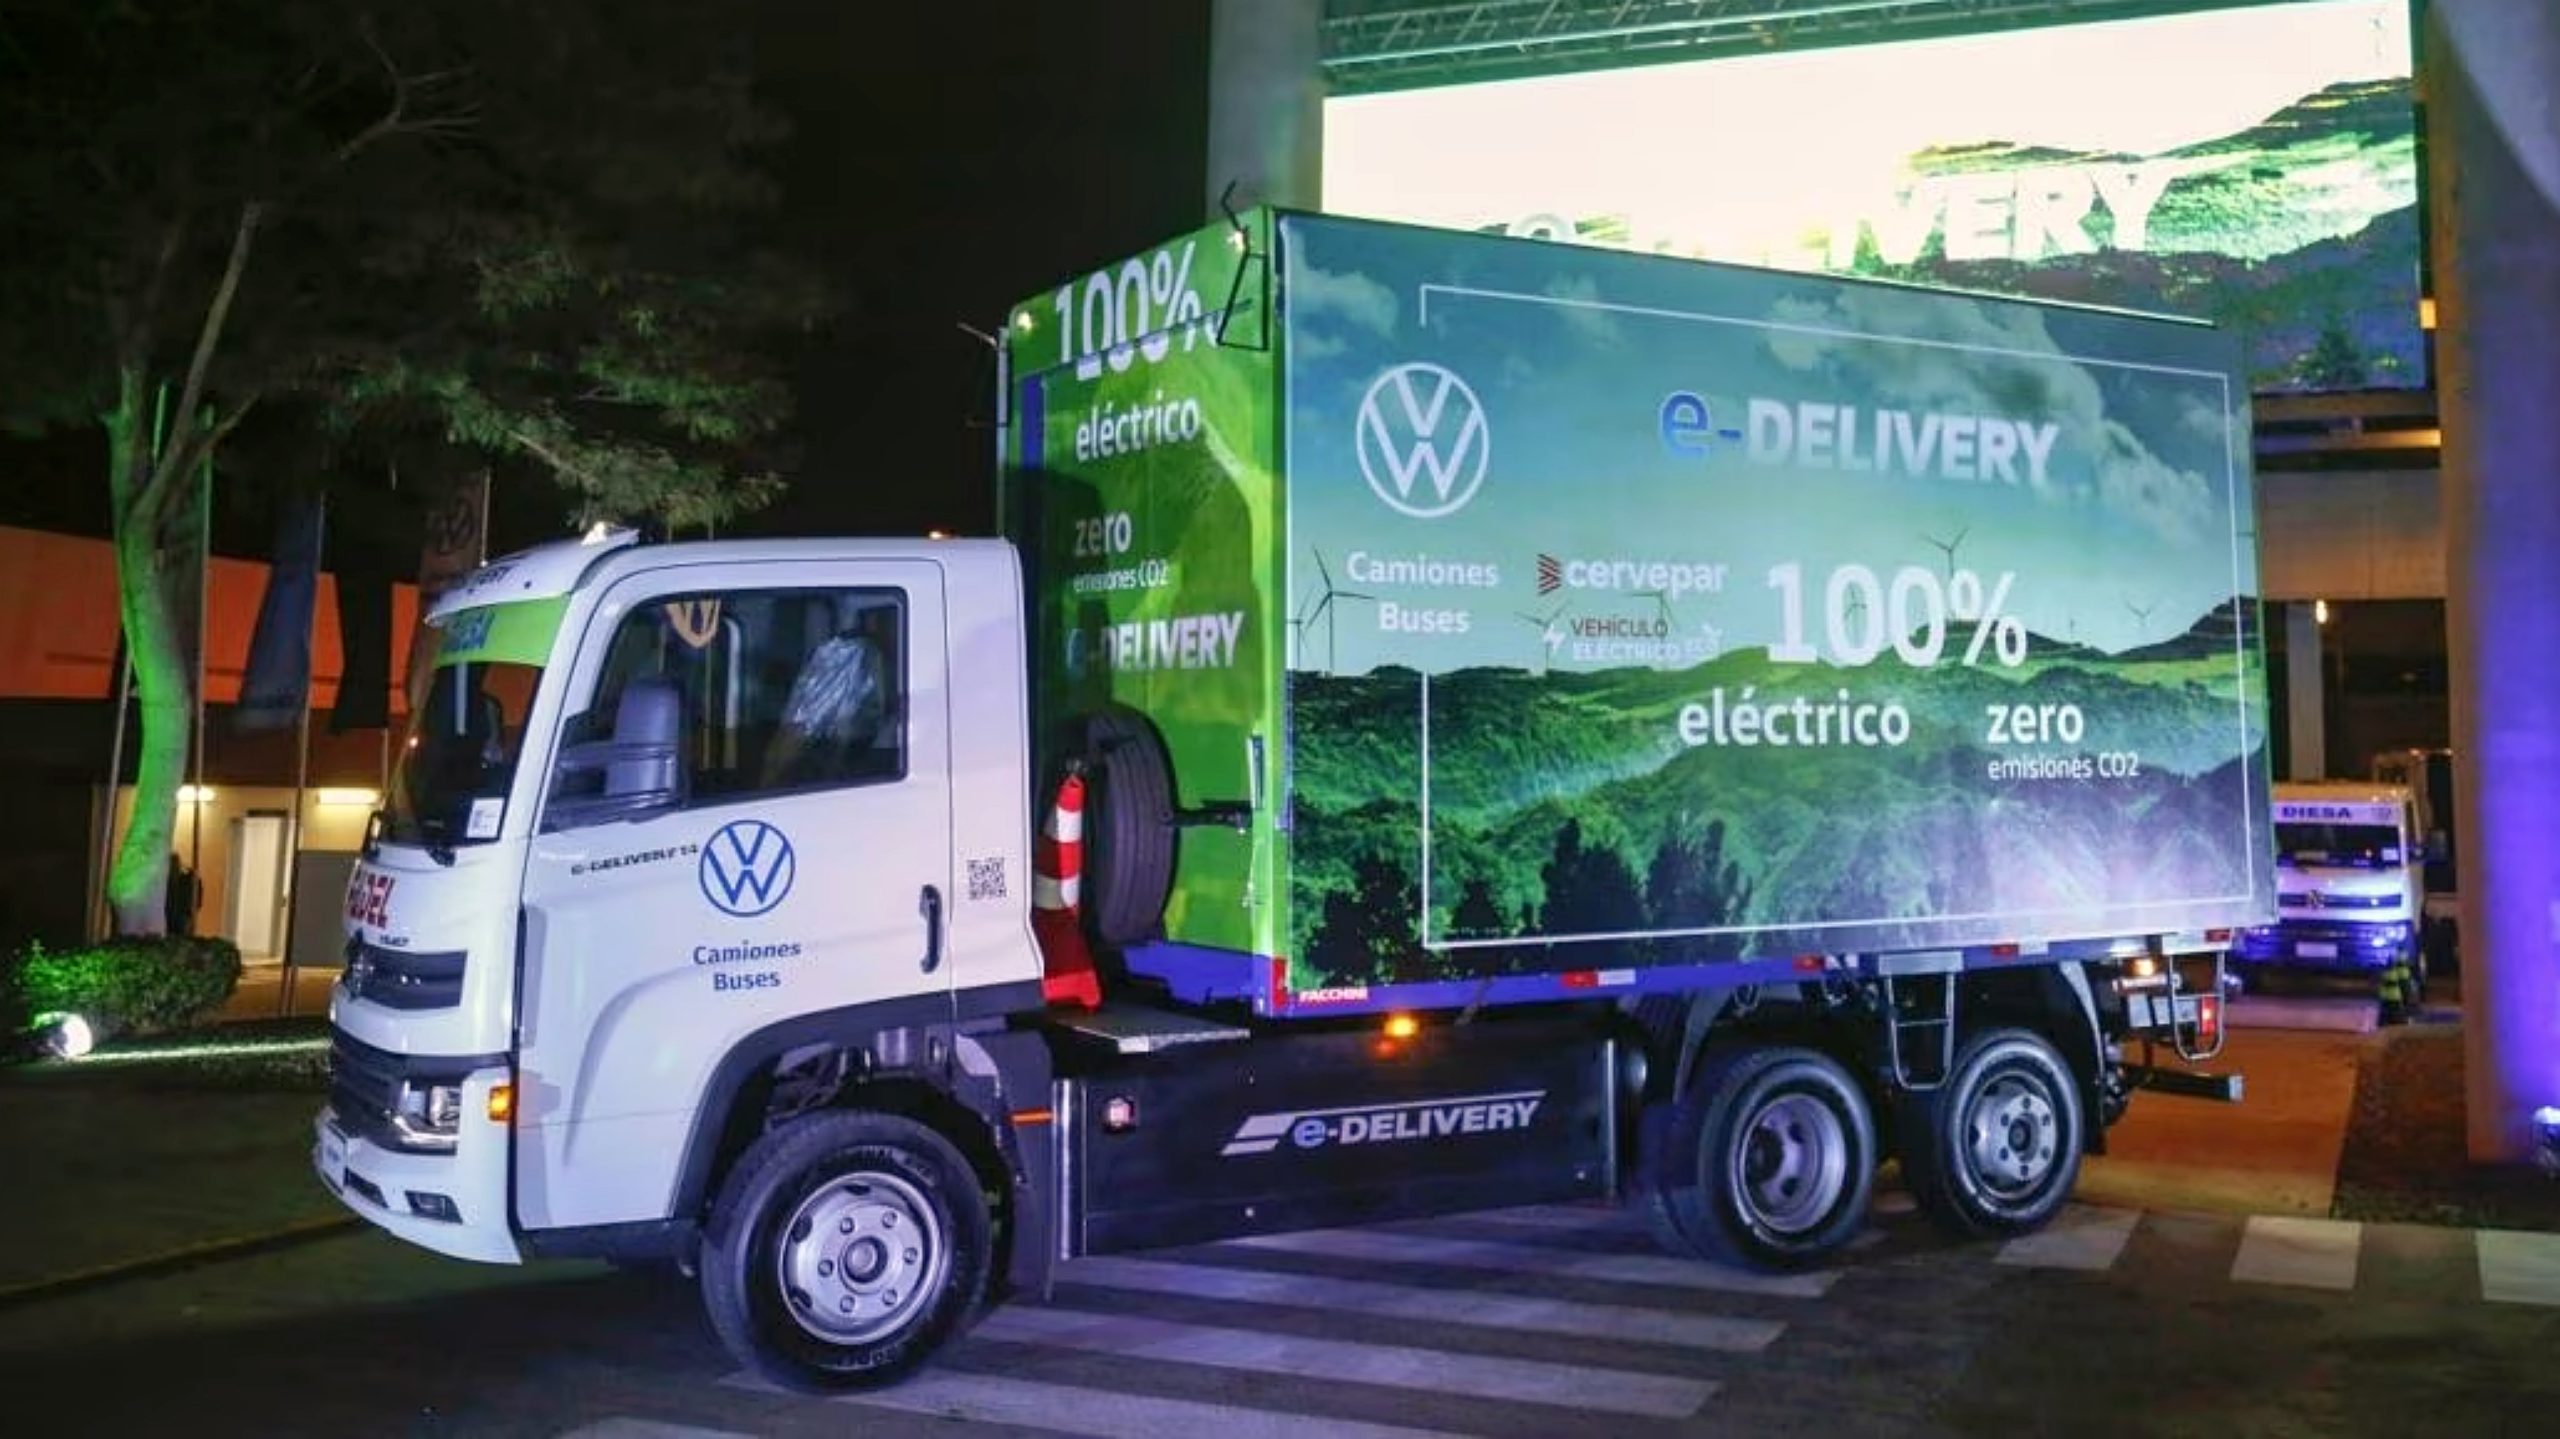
{"type": "Point", "coordinates": [155, 566]}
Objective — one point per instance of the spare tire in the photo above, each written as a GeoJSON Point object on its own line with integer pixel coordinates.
{"type": "Point", "coordinates": [1128, 827]}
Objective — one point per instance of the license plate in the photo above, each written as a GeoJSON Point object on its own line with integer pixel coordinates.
{"type": "Point", "coordinates": [2158, 1012]}
{"type": "Point", "coordinates": [2316, 949]}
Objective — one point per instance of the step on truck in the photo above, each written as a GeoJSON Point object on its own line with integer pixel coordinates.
{"type": "Point", "coordinates": [1451, 722]}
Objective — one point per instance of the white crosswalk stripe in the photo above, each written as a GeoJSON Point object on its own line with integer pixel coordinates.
{"type": "Point", "coordinates": [2519, 1268]}
{"type": "Point", "coordinates": [646, 1430]}
{"type": "Point", "coordinates": [1660, 1270]}
{"type": "Point", "coordinates": [1109, 1414]}
{"type": "Point", "coordinates": [1571, 1386]}
{"type": "Point", "coordinates": [1623, 1323]}
{"type": "Point", "coordinates": [2080, 1237]}
{"type": "Point", "coordinates": [2300, 1251]}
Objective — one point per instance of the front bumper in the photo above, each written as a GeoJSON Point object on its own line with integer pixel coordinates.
{"type": "Point", "coordinates": [453, 1203]}
{"type": "Point", "coordinates": [2350, 949]}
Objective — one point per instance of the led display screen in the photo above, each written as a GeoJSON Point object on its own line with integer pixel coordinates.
{"type": "Point", "coordinates": [2255, 167]}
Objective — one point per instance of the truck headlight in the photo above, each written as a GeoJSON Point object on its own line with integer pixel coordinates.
{"type": "Point", "coordinates": [430, 1114]}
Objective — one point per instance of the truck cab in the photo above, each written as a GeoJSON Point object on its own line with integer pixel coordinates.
{"type": "Point", "coordinates": [661, 813]}
{"type": "Point", "coordinates": [2349, 885]}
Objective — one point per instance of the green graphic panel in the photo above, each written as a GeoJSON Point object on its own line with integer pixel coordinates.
{"type": "Point", "coordinates": [519, 632]}
{"type": "Point", "coordinates": [1652, 611]}
{"type": "Point", "coordinates": [1142, 483]}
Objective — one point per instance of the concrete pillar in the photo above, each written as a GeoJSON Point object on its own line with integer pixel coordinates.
{"type": "Point", "coordinates": [2305, 693]}
{"type": "Point", "coordinates": [1266, 103]}
{"type": "Point", "coordinates": [2492, 68]}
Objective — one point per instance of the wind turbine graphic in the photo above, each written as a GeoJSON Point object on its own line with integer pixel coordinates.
{"type": "Point", "coordinates": [1949, 548]}
{"type": "Point", "coordinates": [1321, 606]}
{"type": "Point", "coordinates": [2142, 617]}
{"type": "Point", "coordinates": [1550, 631]}
{"type": "Point", "coordinates": [1661, 607]}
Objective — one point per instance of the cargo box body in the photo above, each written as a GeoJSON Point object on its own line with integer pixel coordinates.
{"type": "Point", "coordinates": [1562, 619]}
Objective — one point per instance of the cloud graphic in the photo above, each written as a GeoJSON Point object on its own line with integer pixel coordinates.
{"type": "Point", "coordinates": [2001, 361]}
{"type": "Point", "coordinates": [1355, 298]}
{"type": "Point", "coordinates": [1311, 347]}
{"type": "Point", "coordinates": [1580, 292]}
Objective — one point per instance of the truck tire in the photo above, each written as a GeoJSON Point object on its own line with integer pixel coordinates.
{"type": "Point", "coordinates": [1771, 1159]}
{"type": "Point", "coordinates": [1128, 827]}
{"type": "Point", "coordinates": [1657, 1183]}
{"type": "Point", "coordinates": [1995, 1150]}
{"type": "Point", "coordinates": [843, 1250]}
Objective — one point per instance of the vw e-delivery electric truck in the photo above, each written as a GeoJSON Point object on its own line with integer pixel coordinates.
{"type": "Point", "coordinates": [1452, 721]}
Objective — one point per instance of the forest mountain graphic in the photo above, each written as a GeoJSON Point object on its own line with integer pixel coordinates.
{"type": "Point", "coordinates": [1565, 804]}
{"type": "Point", "coordinates": [2299, 234]}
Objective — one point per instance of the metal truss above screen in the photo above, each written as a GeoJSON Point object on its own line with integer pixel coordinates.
{"type": "Point", "coordinates": [1399, 44]}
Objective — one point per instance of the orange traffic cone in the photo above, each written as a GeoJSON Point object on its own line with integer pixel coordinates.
{"type": "Point", "coordinates": [1057, 881]}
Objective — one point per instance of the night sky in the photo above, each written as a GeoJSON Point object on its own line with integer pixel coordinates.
{"type": "Point", "coordinates": [954, 158]}
{"type": "Point", "coordinates": [948, 159]}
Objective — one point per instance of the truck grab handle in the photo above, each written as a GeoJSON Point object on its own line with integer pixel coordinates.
{"type": "Point", "coordinates": [930, 906]}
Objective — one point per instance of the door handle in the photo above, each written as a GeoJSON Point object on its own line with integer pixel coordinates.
{"type": "Point", "coordinates": [930, 906]}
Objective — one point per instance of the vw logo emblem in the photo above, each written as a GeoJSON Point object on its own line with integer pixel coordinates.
{"type": "Point", "coordinates": [1419, 421]}
{"type": "Point", "coordinates": [747, 868]}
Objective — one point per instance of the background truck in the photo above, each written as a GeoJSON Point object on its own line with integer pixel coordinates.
{"type": "Point", "coordinates": [2428, 776]}
{"type": "Point", "coordinates": [1457, 722]}
{"type": "Point", "coordinates": [2349, 890]}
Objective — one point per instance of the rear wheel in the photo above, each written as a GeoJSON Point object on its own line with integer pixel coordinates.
{"type": "Point", "coordinates": [1769, 1159]}
{"type": "Point", "coordinates": [1995, 1150]}
{"type": "Point", "coordinates": [844, 1249]}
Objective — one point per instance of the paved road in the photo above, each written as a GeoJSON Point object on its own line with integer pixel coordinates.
{"type": "Point", "coordinates": [1553, 1321]}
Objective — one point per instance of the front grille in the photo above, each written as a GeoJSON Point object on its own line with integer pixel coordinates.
{"type": "Point", "coordinates": [2328, 900]}
{"type": "Point", "coordinates": [400, 979]}
{"type": "Point", "coordinates": [364, 1088]}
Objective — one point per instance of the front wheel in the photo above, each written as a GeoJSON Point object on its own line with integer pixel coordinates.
{"type": "Point", "coordinates": [1770, 1159]}
{"type": "Point", "coordinates": [844, 1249]}
{"type": "Point", "coordinates": [1995, 1150]}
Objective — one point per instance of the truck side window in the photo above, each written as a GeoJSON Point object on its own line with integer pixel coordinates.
{"type": "Point", "coordinates": [779, 690]}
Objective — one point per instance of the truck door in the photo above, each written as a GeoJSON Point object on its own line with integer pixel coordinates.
{"type": "Point", "coordinates": [747, 822]}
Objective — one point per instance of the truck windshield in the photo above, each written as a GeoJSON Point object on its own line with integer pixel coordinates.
{"type": "Point", "coordinates": [455, 767]}
{"type": "Point", "coordinates": [2365, 846]}
{"type": "Point", "coordinates": [450, 785]}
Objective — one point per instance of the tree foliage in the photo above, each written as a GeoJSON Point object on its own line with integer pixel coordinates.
{"type": "Point", "coordinates": [458, 233]}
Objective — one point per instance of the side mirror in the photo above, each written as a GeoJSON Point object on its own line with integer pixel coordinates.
{"type": "Point", "coordinates": [639, 770]}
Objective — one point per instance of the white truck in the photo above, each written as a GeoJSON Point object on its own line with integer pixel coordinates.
{"type": "Point", "coordinates": [871, 926]}
{"type": "Point", "coordinates": [2350, 893]}
{"type": "Point", "coordinates": [2428, 776]}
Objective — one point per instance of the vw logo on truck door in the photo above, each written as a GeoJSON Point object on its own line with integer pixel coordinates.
{"type": "Point", "coordinates": [747, 868]}
{"type": "Point", "coordinates": [1419, 421]}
